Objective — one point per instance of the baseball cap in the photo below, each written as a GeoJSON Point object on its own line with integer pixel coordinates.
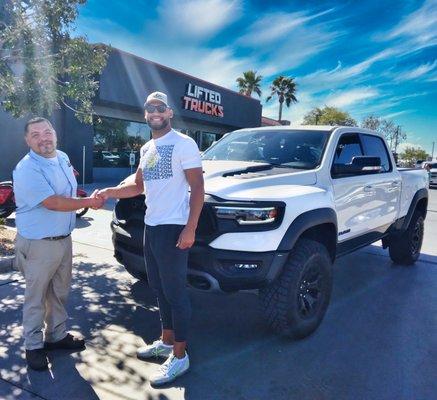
{"type": "Point", "coordinates": [159, 96]}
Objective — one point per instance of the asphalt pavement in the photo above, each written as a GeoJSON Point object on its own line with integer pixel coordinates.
{"type": "Point", "coordinates": [378, 339]}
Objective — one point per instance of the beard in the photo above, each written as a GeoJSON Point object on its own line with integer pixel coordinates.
{"type": "Point", "coordinates": [47, 148]}
{"type": "Point", "coordinates": [157, 126]}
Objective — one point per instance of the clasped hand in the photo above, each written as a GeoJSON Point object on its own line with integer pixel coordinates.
{"type": "Point", "coordinates": [97, 200]}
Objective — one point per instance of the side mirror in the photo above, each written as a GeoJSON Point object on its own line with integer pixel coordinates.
{"type": "Point", "coordinates": [359, 166]}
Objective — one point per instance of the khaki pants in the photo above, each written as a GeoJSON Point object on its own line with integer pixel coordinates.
{"type": "Point", "coordinates": [46, 266]}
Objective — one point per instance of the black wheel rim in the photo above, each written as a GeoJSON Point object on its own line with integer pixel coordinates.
{"type": "Point", "coordinates": [310, 292]}
{"type": "Point", "coordinates": [416, 240]}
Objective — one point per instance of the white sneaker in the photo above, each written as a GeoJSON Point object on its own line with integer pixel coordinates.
{"type": "Point", "coordinates": [156, 349]}
{"type": "Point", "coordinates": [170, 370]}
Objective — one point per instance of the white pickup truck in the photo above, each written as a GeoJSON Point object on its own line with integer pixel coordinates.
{"type": "Point", "coordinates": [281, 205]}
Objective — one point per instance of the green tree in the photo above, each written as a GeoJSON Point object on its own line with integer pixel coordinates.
{"type": "Point", "coordinates": [110, 133]}
{"type": "Point", "coordinates": [43, 68]}
{"type": "Point", "coordinates": [285, 89]}
{"type": "Point", "coordinates": [398, 136]}
{"type": "Point", "coordinates": [249, 82]}
{"type": "Point", "coordinates": [372, 122]}
{"type": "Point", "coordinates": [394, 134]}
{"type": "Point", "coordinates": [412, 154]}
{"type": "Point", "coordinates": [328, 116]}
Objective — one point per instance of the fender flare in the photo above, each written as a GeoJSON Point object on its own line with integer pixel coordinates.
{"type": "Point", "coordinates": [305, 221]}
{"type": "Point", "coordinates": [420, 194]}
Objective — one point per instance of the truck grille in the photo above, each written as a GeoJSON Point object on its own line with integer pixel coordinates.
{"type": "Point", "coordinates": [207, 223]}
{"type": "Point", "coordinates": [129, 213]}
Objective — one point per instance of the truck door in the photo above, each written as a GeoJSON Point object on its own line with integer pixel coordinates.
{"type": "Point", "coordinates": [385, 185]}
{"type": "Point", "coordinates": [352, 194]}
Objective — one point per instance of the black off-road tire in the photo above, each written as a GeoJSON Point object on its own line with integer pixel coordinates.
{"type": "Point", "coordinates": [295, 304]}
{"type": "Point", "coordinates": [405, 248]}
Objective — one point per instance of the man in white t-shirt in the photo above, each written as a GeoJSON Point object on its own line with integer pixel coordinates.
{"type": "Point", "coordinates": [170, 167]}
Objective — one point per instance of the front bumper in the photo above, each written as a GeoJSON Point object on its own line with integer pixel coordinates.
{"type": "Point", "coordinates": [225, 266]}
{"type": "Point", "coordinates": [208, 268]}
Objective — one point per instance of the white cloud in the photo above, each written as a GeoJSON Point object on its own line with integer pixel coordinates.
{"type": "Point", "coordinates": [415, 32]}
{"type": "Point", "coordinates": [281, 41]}
{"type": "Point", "coordinates": [388, 101]}
{"type": "Point", "coordinates": [396, 114]}
{"type": "Point", "coordinates": [274, 26]}
{"type": "Point", "coordinates": [398, 99]}
{"type": "Point", "coordinates": [349, 97]}
{"type": "Point", "coordinates": [326, 79]}
{"type": "Point", "coordinates": [419, 25]}
{"type": "Point", "coordinates": [219, 66]}
{"type": "Point", "coordinates": [274, 44]}
{"type": "Point", "coordinates": [183, 43]}
{"type": "Point", "coordinates": [293, 53]}
{"type": "Point", "coordinates": [417, 72]}
{"type": "Point", "coordinates": [385, 103]}
{"type": "Point", "coordinates": [197, 19]}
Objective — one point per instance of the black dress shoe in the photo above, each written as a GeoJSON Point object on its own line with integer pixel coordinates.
{"type": "Point", "coordinates": [37, 359]}
{"type": "Point", "coordinates": [68, 343]}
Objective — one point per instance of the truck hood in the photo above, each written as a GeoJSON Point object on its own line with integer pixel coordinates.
{"type": "Point", "coordinates": [231, 180]}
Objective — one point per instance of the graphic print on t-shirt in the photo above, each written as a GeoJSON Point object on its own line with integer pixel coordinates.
{"type": "Point", "coordinates": [158, 163]}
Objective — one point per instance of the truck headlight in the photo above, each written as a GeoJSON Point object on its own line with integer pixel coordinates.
{"type": "Point", "coordinates": [247, 215]}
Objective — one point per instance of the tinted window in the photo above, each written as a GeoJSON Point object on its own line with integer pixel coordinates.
{"type": "Point", "coordinates": [375, 147]}
{"type": "Point", "coordinates": [348, 147]}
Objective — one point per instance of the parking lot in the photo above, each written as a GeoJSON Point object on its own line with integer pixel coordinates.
{"type": "Point", "coordinates": [378, 339]}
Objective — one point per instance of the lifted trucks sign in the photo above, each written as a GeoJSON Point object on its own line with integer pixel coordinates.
{"type": "Point", "coordinates": [202, 100]}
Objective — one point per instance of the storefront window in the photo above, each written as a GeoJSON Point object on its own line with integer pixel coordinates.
{"type": "Point", "coordinates": [118, 141]}
{"type": "Point", "coordinates": [202, 138]}
{"type": "Point", "coordinates": [207, 139]}
{"type": "Point", "coordinates": [189, 132]}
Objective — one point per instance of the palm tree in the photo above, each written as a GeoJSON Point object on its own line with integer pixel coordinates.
{"type": "Point", "coordinates": [285, 89]}
{"type": "Point", "coordinates": [249, 82]}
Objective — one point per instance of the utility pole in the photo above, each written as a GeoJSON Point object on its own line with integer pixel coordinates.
{"type": "Point", "coordinates": [396, 137]}
{"type": "Point", "coordinates": [432, 153]}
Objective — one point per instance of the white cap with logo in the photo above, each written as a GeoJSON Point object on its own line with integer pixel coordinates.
{"type": "Point", "coordinates": [158, 96]}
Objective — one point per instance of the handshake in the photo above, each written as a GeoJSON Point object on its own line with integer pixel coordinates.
{"type": "Point", "coordinates": [98, 198]}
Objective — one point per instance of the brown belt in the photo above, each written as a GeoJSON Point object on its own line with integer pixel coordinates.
{"type": "Point", "coordinates": [56, 237]}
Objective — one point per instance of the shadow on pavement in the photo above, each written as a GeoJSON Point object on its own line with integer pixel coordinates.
{"type": "Point", "coordinates": [10, 221]}
{"type": "Point", "coordinates": [101, 309]}
{"type": "Point", "coordinates": [83, 222]}
{"type": "Point", "coordinates": [377, 340]}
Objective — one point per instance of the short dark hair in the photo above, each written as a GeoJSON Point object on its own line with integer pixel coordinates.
{"type": "Point", "coordinates": [35, 121]}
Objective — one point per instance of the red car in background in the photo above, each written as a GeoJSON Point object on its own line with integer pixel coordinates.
{"type": "Point", "coordinates": [7, 199]}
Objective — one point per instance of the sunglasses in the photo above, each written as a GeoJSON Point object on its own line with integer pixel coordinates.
{"type": "Point", "coordinates": [150, 108]}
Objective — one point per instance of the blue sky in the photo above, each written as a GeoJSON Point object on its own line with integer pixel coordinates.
{"type": "Point", "coordinates": [366, 57]}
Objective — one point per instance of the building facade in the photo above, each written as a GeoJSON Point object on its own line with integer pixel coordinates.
{"type": "Point", "coordinates": [109, 148]}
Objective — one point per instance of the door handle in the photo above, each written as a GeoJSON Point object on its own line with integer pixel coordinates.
{"type": "Point", "coordinates": [395, 184]}
{"type": "Point", "coordinates": [368, 188]}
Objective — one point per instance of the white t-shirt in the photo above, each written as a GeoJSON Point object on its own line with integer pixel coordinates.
{"type": "Point", "coordinates": [163, 162]}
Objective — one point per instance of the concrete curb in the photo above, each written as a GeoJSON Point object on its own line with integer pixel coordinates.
{"type": "Point", "coordinates": [6, 264]}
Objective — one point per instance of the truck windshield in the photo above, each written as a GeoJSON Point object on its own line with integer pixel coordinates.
{"type": "Point", "coordinates": [294, 148]}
